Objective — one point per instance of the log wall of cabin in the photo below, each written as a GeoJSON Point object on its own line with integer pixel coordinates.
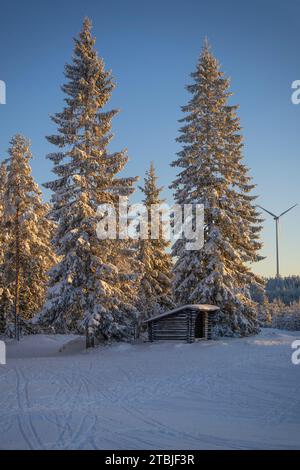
{"type": "Point", "coordinates": [209, 325]}
{"type": "Point", "coordinates": [180, 326]}
{"type": "Point", "coordinates": [170, 327]}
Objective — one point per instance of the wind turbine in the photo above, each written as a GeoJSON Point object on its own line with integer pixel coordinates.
{"type": "Point", "coordinates": [276, 218]}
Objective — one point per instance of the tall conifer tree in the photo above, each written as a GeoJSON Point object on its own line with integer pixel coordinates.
{"type": "Point", "coordinates": [212, 173]}
{"type": "Point", "coordinates": [92, 286]}
{"type": "Point", "coordinates": [26, 235]}
{"type": "Point", "coordinates": [156, 282]}
{"type": "Point", "coordinates": [3, 291]}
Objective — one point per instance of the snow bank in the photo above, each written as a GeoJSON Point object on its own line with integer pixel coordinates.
{"type": "Point", "coordinates": [36, 346]}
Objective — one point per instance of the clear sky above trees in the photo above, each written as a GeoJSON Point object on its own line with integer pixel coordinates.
{"type": "Point", "coordinates": [152, 47]}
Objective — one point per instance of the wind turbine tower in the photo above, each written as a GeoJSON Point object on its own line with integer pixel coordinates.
{"type": "Point", "coordinates": [276, 218]}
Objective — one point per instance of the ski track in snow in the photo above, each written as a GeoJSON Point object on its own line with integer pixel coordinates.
{"type": "Point", "coordinates": [226, 394]}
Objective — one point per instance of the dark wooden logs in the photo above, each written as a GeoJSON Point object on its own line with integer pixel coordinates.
{"type": "Point", "coordinates": [187, 323]}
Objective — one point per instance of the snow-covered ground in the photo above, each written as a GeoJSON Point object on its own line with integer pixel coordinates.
{"type": "Point", "coordinates": [226, 394]}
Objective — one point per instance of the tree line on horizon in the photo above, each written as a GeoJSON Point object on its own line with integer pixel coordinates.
{"type": "Point", "coordinates": [56, 275]}
{"type": "Point", "coordinates": [283, 289]}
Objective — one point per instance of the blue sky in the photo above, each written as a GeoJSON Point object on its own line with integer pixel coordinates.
{"type": "Point", "coordinates": [151, 48]}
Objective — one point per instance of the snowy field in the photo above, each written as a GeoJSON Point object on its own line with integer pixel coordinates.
{"type": "Point", "coordinates": [227, 394]}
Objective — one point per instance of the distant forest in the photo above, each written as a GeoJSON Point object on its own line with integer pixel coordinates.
{"type": "Point", "coordinates": [285, 289]}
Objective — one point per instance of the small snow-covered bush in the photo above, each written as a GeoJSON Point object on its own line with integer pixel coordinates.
{"type": "Point", "coordinates": [288, 318]}
{"type": "Point", "coordinates": [278, 315]}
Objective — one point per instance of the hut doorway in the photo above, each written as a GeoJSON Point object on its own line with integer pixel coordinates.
{"type": "Point", "coordinates": [200, 325]}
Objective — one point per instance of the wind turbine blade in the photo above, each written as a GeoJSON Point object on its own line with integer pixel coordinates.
{"type": "Point", "coordinates": [271, 213]}
{"type": "Point", "coordinates": [288, 210]}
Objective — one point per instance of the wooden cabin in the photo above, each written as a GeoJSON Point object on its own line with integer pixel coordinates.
{"type": "Point", "coordinates": [187, 323]}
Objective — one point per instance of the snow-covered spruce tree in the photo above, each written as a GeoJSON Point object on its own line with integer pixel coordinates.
{"type": "Point", "coordinates": [92, 288]}
{"type": "Point", "coordinates": [155, 294]}
{"type": "Point", "coordinates": [3, 184]}
{"type": "Point", "coordinates": [26, 234]}
{"type": "Point", "coordinates": [264, 309]}
{"type": "Point", "coordinates": [212, 173]}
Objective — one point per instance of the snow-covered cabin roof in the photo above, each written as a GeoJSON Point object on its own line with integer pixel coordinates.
{"type": "Point", "coordinates": [200, 307]}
